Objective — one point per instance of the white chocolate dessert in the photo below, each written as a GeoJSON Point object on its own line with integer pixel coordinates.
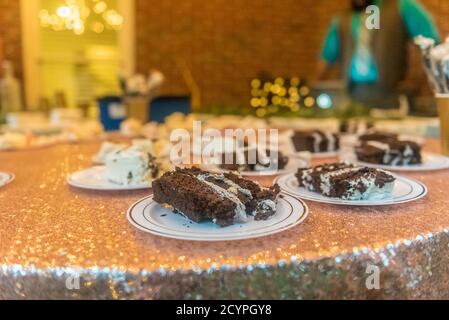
{"type": "Point", "coordinates": [347, 182]}
{"type": "Point", "coordinates": [158, 148]}
{"type": "Point", "coordinates": [106, 149]}
{"type": "Point", "coordinates": [145, 144]}
{"type": "Point", "coordinates": [131, 166]}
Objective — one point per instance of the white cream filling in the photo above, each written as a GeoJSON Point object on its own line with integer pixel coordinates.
{"type": "Point", "coordinates": [317, 139]}
{"type": "Point", "coordinates": [408, 152]}
{"type": "Point", "coordinates": [307, 178]}
{"type": "Point", "coordinates": [325, 184]}
{"type": "Point", "coordinates": [372, 192]}
{"type": "Point", "coordinates": [267, 205]}
{"type": "Point", "coordinates": [332, 142]}
{"type": "Point", "coordinates": [265, 162]}
{"type": "Point", "coordinates": [128, 167]}
{"type": "Point", "coordinates": [307, 181]}
{"type": "Point", "coordinates": [259, 158]}
{"type": "Point", "coordinates": [230, 194]}
{"type": "Point", "coordinates": [106, 149]}
{"type": "Point", "coordinates": [379, 145]}
{"type": "Point", "coordinates": [263, 157]}
{"type": "Point", "coordinates": [384, 147]}
{"type": "Point", "coordinates": [240, 157]}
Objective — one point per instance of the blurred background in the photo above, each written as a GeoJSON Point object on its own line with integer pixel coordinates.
{"type": "Point", "coordinates": [220, 57]}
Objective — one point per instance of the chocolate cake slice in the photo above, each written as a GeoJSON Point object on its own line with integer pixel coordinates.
{"type": "Point", "coordinates": [389, 152]}
{"type": "Point", "coordinates": [223, 198]}
{"type": "Point", "coordinates": [252, 159]}
{"type": "Point", "coordinates": [346, 181]}
{"type": "Point", "coordinates": [378, 136]}
{"type": "Point", "coordinates": [315, 141]}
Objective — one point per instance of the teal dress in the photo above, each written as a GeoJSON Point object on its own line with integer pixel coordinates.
{"type": "Point", "coordinates": [363, 66]}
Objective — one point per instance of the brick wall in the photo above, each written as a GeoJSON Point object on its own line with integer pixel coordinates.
{"type": "Point", "coordinates": [10, 44]}
{"type": "Point", "coordinates": [227, 42]}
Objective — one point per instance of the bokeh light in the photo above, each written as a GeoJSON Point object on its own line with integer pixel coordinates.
{"type": "Point", "coordinates": [76, 15]}
{"type": "Point", "coordinates": [324, 101]}
{"type": "Point", "coordinates": [309, 102]}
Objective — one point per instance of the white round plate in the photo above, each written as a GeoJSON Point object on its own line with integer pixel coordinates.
{"type": "Point", "coordinates": [149, 216]}
{"type": "Point", "coordinates": [95, 179]}
{"type": "Point", "coordinates": [294, 163]}
{"type": "Point", "coordinates": [6, 178]}
{"type": "Point", "coordinates": [431, 162]}
{"type": "Point", "coordinates": [405, 190]}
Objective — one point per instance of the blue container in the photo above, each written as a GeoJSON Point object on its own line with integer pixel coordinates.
{"type": "Point", "coordinates": [163, 106]}
{"type": "Point", "coordinates": [112, 112]}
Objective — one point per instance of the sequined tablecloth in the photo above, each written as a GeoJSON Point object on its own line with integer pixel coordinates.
{"type": "Point", "coordinates": [60, 242]}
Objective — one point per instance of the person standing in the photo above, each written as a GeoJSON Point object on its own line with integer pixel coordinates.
{"type": "Point", "coordinates": [374, 60]}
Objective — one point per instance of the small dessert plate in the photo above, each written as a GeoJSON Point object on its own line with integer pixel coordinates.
{"type": "Point", "coordinates": [149, 216]}
{"type": "Point", "coordinates": [294, 163]}
{"type": "Point", "coordinates": [95, 179]}
{"type": "Point", "coordinates": [405, 190]}
{"type": "Point", "coordinates": [6, 178]}
{"type": "Point", "coordinates": [431, 162]}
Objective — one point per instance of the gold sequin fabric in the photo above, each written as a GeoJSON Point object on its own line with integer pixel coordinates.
{"type": "Point", "coordinates": [61, 242]}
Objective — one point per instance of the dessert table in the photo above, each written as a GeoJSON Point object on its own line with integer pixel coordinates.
{"type": "Point", "coordinates": [61, 242]}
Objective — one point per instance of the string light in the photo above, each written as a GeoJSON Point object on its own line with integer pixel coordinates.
{"type": "Point", "coordinates": [294, 98]}
{"type": "Point", "coordinates": [324, 101]}
{"type": "Point", "coordinates": [256, 83]}
{"type": "Point", "coordinates": [279, 81]}
{"type": "Point", "coordinates": [267, 86]}
{"type": "Point", "coordinates": [73, 15]}
{"type": "Point", "coordinates": [276, 89]}
{"type": "Point", "coordinates": [276, 100]}
{"type": "Point", "coordinates": [294, 82]}
{"type": "Point", "coordinates": [100, 7]}
{"type": "Point", "coordinates": [304, 91]}
{"type": "Point", "coordinates": [64, 12]}
{"type": "Point", "coordinates": [98, 27]}
{"type": "Point", "coordinates": [309, 102]}
{"type": "Point", "coordinates": [295, 107]}
{"type": "Point", "coordinates": [254, 102]}
{"type": "Point", "coordinates": [263, 102]}
{"type": "Point", "coordinates": [280, 95]}
{"type": "Point", "coordinates": [261, 112]}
